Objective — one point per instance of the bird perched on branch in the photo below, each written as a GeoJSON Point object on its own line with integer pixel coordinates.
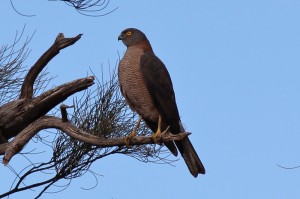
{"type": "Point", "coordinates": [147, 87]}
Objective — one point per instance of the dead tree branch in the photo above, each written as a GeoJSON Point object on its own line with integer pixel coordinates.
{"type": "Point", "coordinates": [15, 146]}
{"type": "Point", "coordinates": [17, 114]}
{"type": "Point", "coordinates": [59, 44]}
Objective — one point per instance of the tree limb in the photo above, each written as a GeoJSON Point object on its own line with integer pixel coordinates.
{"type": "Point", "coordinates": [59, 44]}
{"type": "Point", "coordinates": [16, 145]}
{"type": "Point", "coordinates": [16, 115]}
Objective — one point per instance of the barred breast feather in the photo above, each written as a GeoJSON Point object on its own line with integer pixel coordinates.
{"type": "Point", "coordinates": [133, 86]}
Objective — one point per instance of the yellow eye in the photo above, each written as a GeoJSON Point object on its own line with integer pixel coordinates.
{"type": "Point", "coordinates": [128, 33]}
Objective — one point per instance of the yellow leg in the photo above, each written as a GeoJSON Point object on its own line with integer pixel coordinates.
{"type": "Point", "coordinates": [156, 136]}
{"type": "Point", "coordinates": [133, 133]}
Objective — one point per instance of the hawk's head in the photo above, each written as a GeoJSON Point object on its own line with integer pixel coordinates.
{"type": "Point", "coordinates": [132, 36]}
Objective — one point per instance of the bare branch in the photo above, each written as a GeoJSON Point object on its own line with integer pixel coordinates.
{"type": "Point", "coordinates": [90, 7]}
{"type": "Point", "coordinates": [16, 115]}
{"type": "Point", "coordinates": [11, 67]}
{"type": "Point", "coordinates": [59, 44]}
{"type": "Point", "coordinates": [45, 122]}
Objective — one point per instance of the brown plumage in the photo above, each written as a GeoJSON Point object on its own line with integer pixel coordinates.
{"type": "Point", "coordinates": [147, 87]}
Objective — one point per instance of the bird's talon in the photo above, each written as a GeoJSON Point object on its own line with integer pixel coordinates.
{"type": "Point", "coordinates": [127, 141]}
{"type": "Point", "coordinates": [156, 137]}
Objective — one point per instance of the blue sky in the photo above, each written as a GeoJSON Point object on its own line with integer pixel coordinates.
{"type": "Point", "coordinates": [235, 68]}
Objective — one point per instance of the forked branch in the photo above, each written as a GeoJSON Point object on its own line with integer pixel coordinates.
{"type": "Point", "coordinates": [60, 43]}
{"type": "Point", "coordinates": [18, 114]}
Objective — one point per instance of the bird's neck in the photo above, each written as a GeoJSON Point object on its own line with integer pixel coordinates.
{"type": "Point", "coordinates": [145, 45]}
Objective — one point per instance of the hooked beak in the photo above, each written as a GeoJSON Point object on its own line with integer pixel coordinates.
{"type": "Point", "coordinates": [120, 38]}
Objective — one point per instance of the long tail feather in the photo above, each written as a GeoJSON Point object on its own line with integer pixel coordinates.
{"type": "Point", "coordinates": [190, 155]}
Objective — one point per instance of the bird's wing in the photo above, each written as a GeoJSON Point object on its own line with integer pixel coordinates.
{"type": "Point", "coordinates": [159, 84]}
